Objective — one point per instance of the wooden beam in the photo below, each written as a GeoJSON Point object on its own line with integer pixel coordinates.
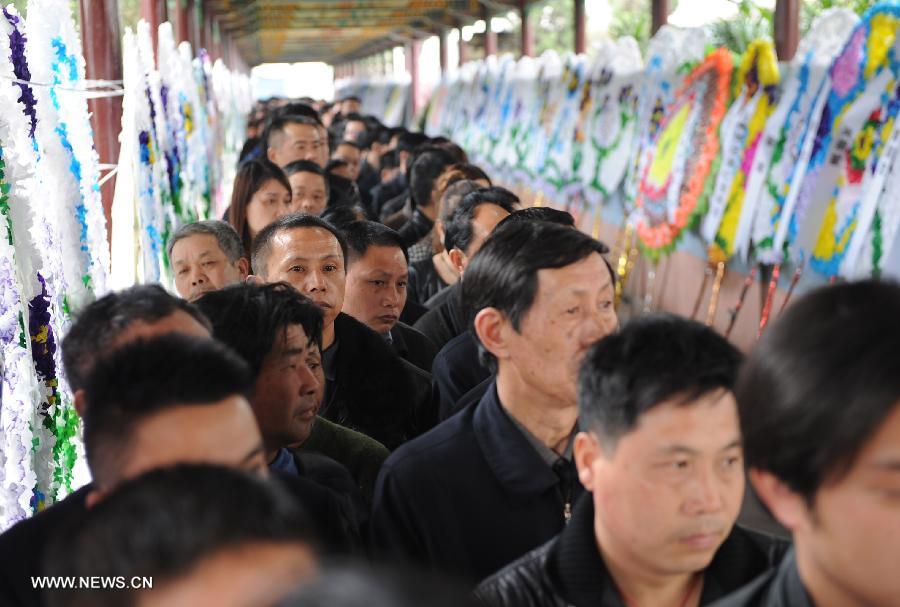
{"type": "Point", "coordinates": [413, 49]}
{"type": "Point", "coordinates": [154, 13]}
{"type": "Point", "coordinates": [659, 15]}
{"type": "Point", "coordinates": [103, 61]}
{"type": "Point", "coordinates": [787, 28]}
{"type": "Point", "coordinates": [182, 20]}
{"type": "Point", "coordinates": [490, 37]}
{"type": "Point", "coordinates": [462, 44]}
{"type": "Point", "coordinates": [527, 29]}
{"type": "Point", "coordinates": [442, 40]}
{"type": "Point", "coordinates": [580, 34]}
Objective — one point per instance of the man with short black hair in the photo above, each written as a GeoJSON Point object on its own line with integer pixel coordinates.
{"type": "Point", "coordinates": [309, 187]}
{"type": "Point", "coordinates": [368, 388]}
{"type": "Point", "coordinates": [377, 275]}
{"type": "Point", "coordinates": [407, 142]}
{"type": "Point", "coordinates": [472, 222]}
{"type": "Point", "coordinates": [497, 480]}
{"type": "Point", "coordinates": [278, 332]}
{"type": "Point", "coordinates": [206, 255]}
{"type": "Point", "coordinates": [820, 410]}
{"type": "Point", "coordinates": [118, 318]}
{"type": "Point", "coordinates": [461, 378]}
{"type": "Point", "coordinates": [143, 408]}
{"type": "Point", "coordinates": [660, 453]}
{"type": "Point", "coordinates": [185, 533]}
{"type": "Point", "coordinates": [351, 153]}
{"type": "Point", "coordinates": [289, 138]}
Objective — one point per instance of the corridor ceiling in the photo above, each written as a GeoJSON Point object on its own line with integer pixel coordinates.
{"type": "Point", "coordinates": [336, 31]}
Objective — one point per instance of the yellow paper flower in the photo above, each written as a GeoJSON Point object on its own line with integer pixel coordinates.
{"type": "Point", "coordinates": [881, 38]}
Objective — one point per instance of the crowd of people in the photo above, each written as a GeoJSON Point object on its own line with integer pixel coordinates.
{"type": "Point", "coordinates": [384, 382]}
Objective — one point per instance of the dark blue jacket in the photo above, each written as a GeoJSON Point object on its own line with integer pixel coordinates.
{"type": "Point", "coordinates": [469, 496]}
{"type": "Point", "coordinates": [457, 370]}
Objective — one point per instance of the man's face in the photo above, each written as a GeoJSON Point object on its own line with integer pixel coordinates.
{"type": "Point", "coordinates": [351, 156]}
{"type": "Point", "coordinates": [261, 573]}
{"type": "Point", "coordinates": [295, 142]}
{"type": "Point", "coordinates": [572, 309]}
{"type": "Point", "coordinates": [309, 193]}
{"type": "Point", "coordinates": [311, 260]}
{"type": "Point", "coordinates": [353, 130]}
{"type": "Point", "coordinates": [224, 433]}
{"type": "Point", "coordinates": [376, 288]}
{"type": "Point", "coordinates": [350, 106]}
{"type": "Point", "coordinates": [849, 539]}
{"type": "Point", "coordinates": [267, 204]}
{"type": "Point", "coordinates": [667, 495]}
{"type": "Point", "coordinates": [201, 266]}
{"type": "Point", "coordinates": [485, 219]}
{"type": "Point", "coordinates": [323, 152]}
{"type": "Point", "coordinates": [284, 401]}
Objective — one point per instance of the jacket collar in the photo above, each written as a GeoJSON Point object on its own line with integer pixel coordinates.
{"type": "Point", "coordinates": [576, 567]}
{"type": "Point", "coordinates": [509, 455]}
{"type": "Point", "coordinates": [787, 589]}
{"type": "Point", "coordinates": [398, 341]}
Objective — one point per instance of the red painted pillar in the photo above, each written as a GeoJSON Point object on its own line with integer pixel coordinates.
{"type": "Point", "coordinates": [154, 13]}
{"type": "Point", "coordinates": [659, 14]}
{"type": "Point", "coordinates": [196, 9]}
{"type": "Point", "coordinates": [442, 39]}
{"type": "Point", "coordinates": [462, 44]}
{"type": "Point", "coordinates": [413, 50]}
{"type": "Point", "coordinates": [208, 31]}
{"type": "Point", "coordinates": [103, 61]}
{"type": "Point", "coordinates": [490, 37]}
{"type": "Point", "coordinates": [580, 37]}
{"type": "Point", "coordinates": [787, 28]}
{"type": "Point", "coordinates": [182, 20]}
{"type": "Point", "coordinates": [527, 29]}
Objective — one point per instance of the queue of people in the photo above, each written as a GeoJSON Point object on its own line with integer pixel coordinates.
{"type": "Point", "coordinates": [383, 381]}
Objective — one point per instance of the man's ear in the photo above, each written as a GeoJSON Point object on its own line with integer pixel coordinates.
{"type": "Point", "coordinates": [270, 154]}
{"type": "Point", "coordinates": [255, 279]}
{"type": "Point", "coordinates": [243, 267]}
{"type": "Point", "coordinates": [80, 402]}
{"type": "Point", "coordinates": [491, 329]}
{"type": "Point", "coordinates": [787, 506]}
{"type": "Point", "coordinates": [585, 450]}
{"type": "Point", "coordinates": [457, 258]}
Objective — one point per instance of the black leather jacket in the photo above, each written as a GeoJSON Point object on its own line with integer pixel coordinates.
{"type": "Point", "coordinates": [780, 587]}
{"type": "Point", "coordinates": [569, 570]}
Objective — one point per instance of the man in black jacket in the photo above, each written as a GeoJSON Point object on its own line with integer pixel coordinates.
{"type": "Point", "coordinates": [278, 332]}
{"type": "Point", "coordinates": [471, 223]}
{"type": "Point", "coordinates": [497, 480]}
{"type": "Point", "coordinates": [368, 388]}
{"type": "Point", "coordinates": [660, 453]}
{"type": "Point", "coordinates": [456, 367]}
{"type": "Point", "coordinates": [179, 535]}
{"type": "Point", "coordinates": [146, 409]}
{"type": "Point", "coordinates": [820, 409]}
{"type": "Point", "coordinates": [376, 293]}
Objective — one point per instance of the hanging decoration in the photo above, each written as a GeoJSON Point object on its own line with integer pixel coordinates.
{"type": "Point", "coordinates": [726, 223]}
{"type": "Point", "coordinates": [855, 145]}
{"type": "Point", "coordinates": [791, 131]}
{"type": "Point", "coordinates": [682, 155]}
{"type": "Point", "coordinates": [605, 135]}
{"type": "Point", "coordinates": [671, 54]}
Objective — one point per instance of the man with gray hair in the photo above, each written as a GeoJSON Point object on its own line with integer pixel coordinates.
{"type": "Point", "coordinates": [206, 256]}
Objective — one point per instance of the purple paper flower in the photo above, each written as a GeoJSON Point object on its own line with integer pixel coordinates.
{"type": "Point", "coordinates": [20, 69]}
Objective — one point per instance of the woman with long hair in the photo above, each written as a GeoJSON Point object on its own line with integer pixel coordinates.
{"type": "Point", "coordinates": [261, 194]}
